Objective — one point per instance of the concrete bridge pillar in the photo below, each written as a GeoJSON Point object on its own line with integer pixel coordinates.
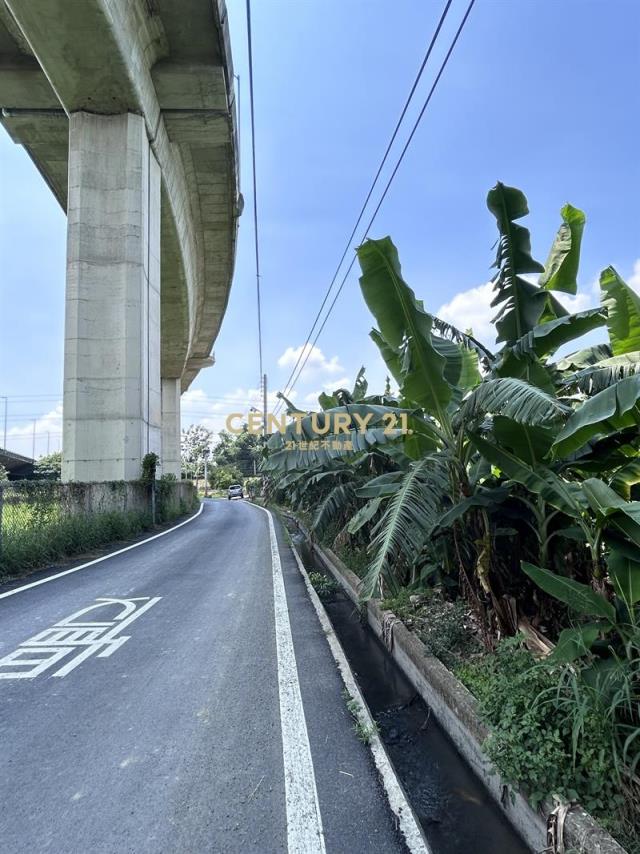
{"type": "Point", "coordinates": [112, 397]}
{"type": "Point", "coordinates": [171, 462]}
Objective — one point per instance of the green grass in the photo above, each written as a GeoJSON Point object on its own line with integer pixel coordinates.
{"type": "Point", "coordinates": [61, 536]}
{"type": "Point", "coordinates": [38, 533]}
{"type": "Point", "coordinates": [364, 731]}
{"type": "Point", "coordinates": [324, 586]}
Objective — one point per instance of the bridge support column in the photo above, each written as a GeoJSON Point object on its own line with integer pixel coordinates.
{"type": "Point", "coordinates": [112, 408]}
{"type": "Point", "coordinates": [171, 433]}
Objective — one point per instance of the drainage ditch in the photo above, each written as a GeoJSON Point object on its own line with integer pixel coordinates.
{"type": "Point", "coordinates": [456, 812]}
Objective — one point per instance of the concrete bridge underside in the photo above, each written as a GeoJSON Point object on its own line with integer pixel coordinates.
{"type": "Point", "coordinates": [127, 109]}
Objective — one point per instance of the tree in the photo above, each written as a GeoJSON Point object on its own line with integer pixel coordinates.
{"type": "Point", "coordinates": [195, 448]}
{"type": "Point", "coordinates": [243, 451]}
{"type": "Point", "coordinates": [221, 477]}
{"type": "Point", "coordinates": [49, 467]}
{"type": "Point", "coordinates": [4, 474]}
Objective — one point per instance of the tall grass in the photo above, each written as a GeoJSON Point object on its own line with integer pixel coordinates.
{"type": "Point", "coordinates": [62, 536]}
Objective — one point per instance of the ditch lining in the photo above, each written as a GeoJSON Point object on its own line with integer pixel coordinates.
{"type": "Point", "coordinates": [455, 709]}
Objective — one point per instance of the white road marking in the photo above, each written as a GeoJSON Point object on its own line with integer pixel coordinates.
{"type": "Point", "coordinates": [398, 802]}
{"type": "Point", "coordinates": [74, 635]}
{"type": "Point", "coordinates": [304, 822]}
{"type": "Point", "coordinates": [99, 559]}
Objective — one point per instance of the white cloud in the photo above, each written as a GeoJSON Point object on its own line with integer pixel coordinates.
{"type": "Point", "coordinates": [316, 361]}
{"type": "Point", "coordinates": [472, 310]}
{"type": "Point", "coordinates": [48, 430]}
{"type": "Point", "coordinates": [580, 302]}
{"type": "Point", "coordinates": [634, 278]}
{"type": "Point", "coordinates": [198, 408]}
{"type": "Point", "coordinates": [311, 399]}
{"type": "Point", "coordinates": [343, 382]}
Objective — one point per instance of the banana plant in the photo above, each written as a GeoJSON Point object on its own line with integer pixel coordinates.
{"type": "Point", "coordinates": [442, 375]}
{"type": "Point", "coordinates": [514, 418]}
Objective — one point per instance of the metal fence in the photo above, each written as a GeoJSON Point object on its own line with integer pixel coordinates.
{"type": "Point", "coordinates": [41, 521]}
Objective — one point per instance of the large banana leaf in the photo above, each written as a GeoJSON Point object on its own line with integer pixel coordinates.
{"type": "Point", "coordinates": [612, 510]}
{"type": "Point", "coordinates": [604, 373]}
{"type": "Point", "coordinates": [580, 597]}
{"type": "Point", "coordinates": [391, 355]}
{"type": "Point", "coordinates": [379, 431]}
{"type": "Point", "coordinates": [556, 491]}
{"type": "Point", "coordinates": [624, 573]}
{"type": "Point", "coordinates": [514, 399]}
{"type": "Point", "coordinates": [607, 412]}
{"type": "Point", "coordinates": [523, 359]}
{"type": "Point", "coordinates": [626, 476]}
{"type": "Point", "coordinates": [381, 486]}
{"type": "Point", "coordinates": [487, 498]}
{"type": "Point", "coordinates": [561, 269]}
{"type": "Point", "coordinates": [404, 325]}
{"type": "Point", "coordinates": [461, 369]}
{"type": "Point", "coordinates": [574, 643]}
{"type": "Point", "coordinates": [546, 338]}
{"type": "Point", "coordinates": [409, 519]}
{"type": "Point", "coordinates": [447, 330]}
{"type": "Point", "coordinates": [334, 506]}
{"type": "Point", "coordinates": [521, 302]}
{"type": "Point", "coordinates": [470, 375]}
{"type": "Point", "coordinates": [585, 358]}
{"type": "Point", "coordinates": [364, 515]}
{"type": "Point", "coordinates": [530, 443]}
{"type": "Point", "coordinates": [623, 307]}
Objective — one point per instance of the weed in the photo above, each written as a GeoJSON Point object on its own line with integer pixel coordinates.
{"type": "Point", "coordinates": [354, 707]}
{"type": "Point", "coordinates": [324, 585]}
{"type": "Point", "coordinates": [534, 741]}
{"type": "Point", "coordinates": [366, 732]}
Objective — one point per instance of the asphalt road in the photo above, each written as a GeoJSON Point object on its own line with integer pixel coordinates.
{"type": "Point", "coordinates": [173, 740]}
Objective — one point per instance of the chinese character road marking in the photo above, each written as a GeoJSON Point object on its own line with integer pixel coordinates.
{"type": "Point", "coordinates": [76, 638]}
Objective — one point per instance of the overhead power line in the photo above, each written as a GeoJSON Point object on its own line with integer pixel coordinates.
{"type": "Point", "coordinates": [372, 187]}
{"type": "Point", "coordinates": [28, 397]}
{"type": "Point", "coordinates": [291, 382]}
{"type": "Point", "coordinates": [255, 190]}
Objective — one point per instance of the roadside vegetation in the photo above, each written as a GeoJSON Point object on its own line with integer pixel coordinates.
{"type": "Point", "coordinates": [323, 584]}
{"type": "Point", "coordinates": [500, 489]}
{"type": "Point", "coordinates": [43, 521]}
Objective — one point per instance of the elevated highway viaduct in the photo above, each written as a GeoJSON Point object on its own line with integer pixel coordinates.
{"type": "Point", "coordinates": [127, 109]}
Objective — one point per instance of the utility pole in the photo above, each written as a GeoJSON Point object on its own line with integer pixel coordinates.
{"type": "Point", "coordinates": [33, 447]}
{"type": "Point", "coordinates": [264, 406]}
{"type": "Point", "coordinates": [48, 437]}
{"type": "Point", "coordinates": [4, 444]}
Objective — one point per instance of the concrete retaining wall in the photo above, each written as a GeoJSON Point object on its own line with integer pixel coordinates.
{"type": "Point", "coordinates": [105, 497]}
{"type": "Point", "coordinates": [456, 710]}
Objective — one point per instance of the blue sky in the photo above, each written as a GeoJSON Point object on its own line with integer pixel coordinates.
{"type": "Point", "coordinates": [541, 94]}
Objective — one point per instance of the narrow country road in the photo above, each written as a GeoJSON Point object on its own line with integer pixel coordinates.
{"type": "Point", "coordinates": [152, 723]}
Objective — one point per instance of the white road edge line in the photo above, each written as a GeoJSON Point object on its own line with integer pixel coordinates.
{"type": "Point", "coordinates": [407, 822]}
{"type": "Point", "coordinates": [304, 822]}
{"type": "Point", "coordinates": [100, 559]}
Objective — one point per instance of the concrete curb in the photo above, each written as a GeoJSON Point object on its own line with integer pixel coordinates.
{"type": "Point", "coordinates": [456, 710]}
{"type": "Point", "coordinates": [398, 801]}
